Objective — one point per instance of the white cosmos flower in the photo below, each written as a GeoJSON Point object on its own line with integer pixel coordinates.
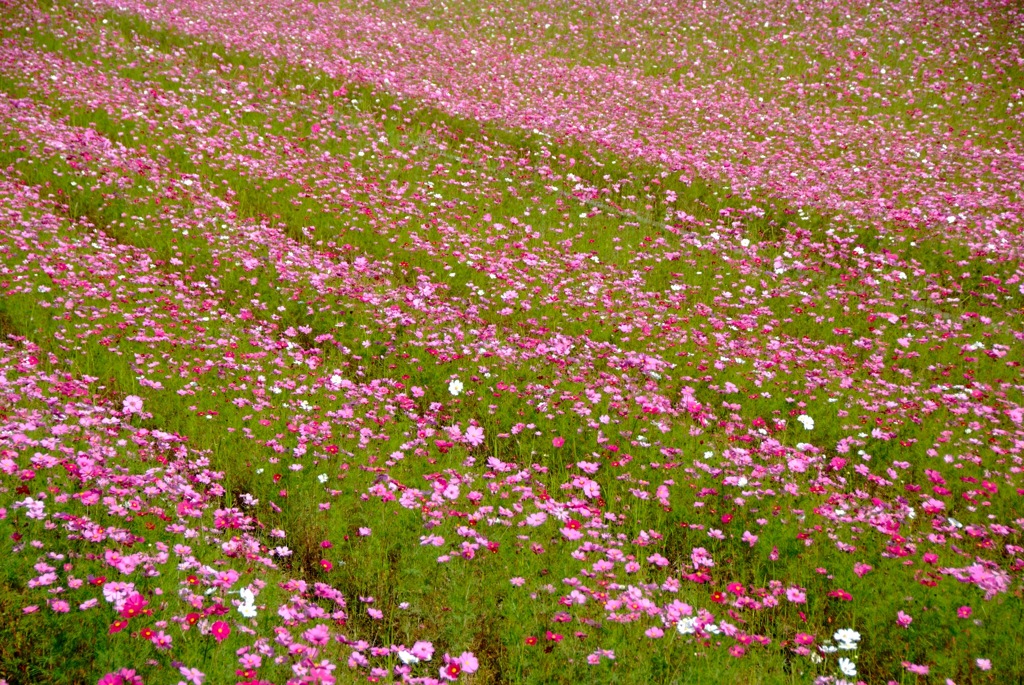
{"type": "Point", "coordinates": [455, 387]}
{"type": "Point", "coordinates": [407, 658]}
{"type": "Point", "coordinates": [248, 609]}
{"type": "Point", "coordinates": [847, 667]}
{"type": "Point", "coordinates": [806, 421]}
{"type": "Point", "coordinates": [847, 638]}
{"type": "Point", "coordinates": [687, 626]}
{"type": "Point", "coordinates": [322, 478]}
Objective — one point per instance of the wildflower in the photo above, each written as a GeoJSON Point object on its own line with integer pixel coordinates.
{"type": "Point", "coordinates": [248, 608]}
{"type": "Point", "coordinates": [846, 638]}
{"type": "Point", "coordinates": [132, 404]}
{"type": "Point", "coordinates": [455, 387]}
{"type": "Point", "coordinates": [847, 667]}
{"type": "Point", "coordinates": [984, 664]}
{"type": "Point", "coordinates": [796, 595]}
{"type": "Point", "coordinates": [317, 635]}
{"type": "Point", "coordinates": [161, 640]}
{"type": "Point", "coordinates": [964, 612]}
{"type": "Point", "coordinates": [903, 620]}
{"type": "Point", "coordinates": [916, 669]}
{"type": "Point", "coordinates": [862, 569]}
{"type": "Point", "coordinates": [133, 606]}
{"type": "Point", "coordinates": [687, 625]}
{"type": "Point", "coordinates": [531, 640]}
{"type": "Point", "coordinates": [220, 631]}
{"type": "Point", "coordinates": [422, 650]}
{"type": "Point", "coordinates": [806, 421]}
{"type": "Point", "coordinates": [192, 675]}
{"type": "Point", "coordinates": [557, 441]}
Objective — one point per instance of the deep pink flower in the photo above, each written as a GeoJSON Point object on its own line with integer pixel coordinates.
{"type": "Point", "coordinates": [220, 630]}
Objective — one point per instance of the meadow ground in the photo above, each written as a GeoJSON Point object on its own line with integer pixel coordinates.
{"type": "Point", "coordinates": [542, 342]}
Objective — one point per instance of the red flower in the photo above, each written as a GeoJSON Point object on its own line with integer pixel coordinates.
{"type": "Point", "coordinates": [192, 618]}
{"type": "Point", "coordinates": [117, 626]}
{"type": "Point", "coordinates": [718, 598]}
{"type": "Point", "coordinates": [531, 640]}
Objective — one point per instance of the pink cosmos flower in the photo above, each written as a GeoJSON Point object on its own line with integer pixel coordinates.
{"type": "Point", "coordinates": [422, 650]}
{"type": "Point", "coordinates": [796, 595]}
{"type": "Point", "coordinates": [192, 675]}
{"type": "Point", "coordinates": [162, 640]}
{"type": "Point", "coordinates": [917, 669]}
{"type": "Point", "coordinates": [903, 620]}
{"type": "Point", "coordinates": [557, 441]}
{"type": "Point", "coordinates": [132, 404]}
{"type": "Point", "coordinates": [964, 612]}
{"type": "Point", "coordinates": [984, 664]}
{"type": "Point", "coordinates": [220, 631]}
{"type": "Point", "coordinates": [862, 569]}
{"type": "Point", "coordinates": [317, 635]}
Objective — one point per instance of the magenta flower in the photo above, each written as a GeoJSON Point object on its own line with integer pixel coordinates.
{"type": "Point", "coordinates": [220, 630]}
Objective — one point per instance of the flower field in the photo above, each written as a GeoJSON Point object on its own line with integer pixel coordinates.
{"type": "Point", "coordinates": [542, 342]}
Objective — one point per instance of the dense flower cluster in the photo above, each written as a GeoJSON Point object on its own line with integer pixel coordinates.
{"type": "Point", "coordinates": [283, 345]}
